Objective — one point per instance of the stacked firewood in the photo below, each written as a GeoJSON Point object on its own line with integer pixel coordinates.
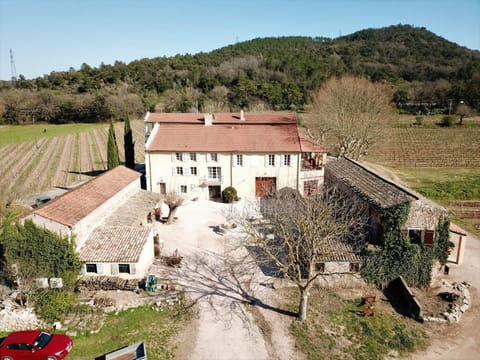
{"type": "Point", "coordinates": [89, 283]}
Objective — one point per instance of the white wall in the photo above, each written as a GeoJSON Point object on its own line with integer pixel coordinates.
{"type": "Point", "coordinates": [241, 177]}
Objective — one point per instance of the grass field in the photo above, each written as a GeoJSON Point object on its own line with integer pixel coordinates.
{"type": "Point", "coordinates": [148, 324]}
{"type": "Point", "coordinates": [14, 134]}
{"type": "Point", "coordinates": [456, 189]}
{"type": "Point", "coordinates": [334, 329]}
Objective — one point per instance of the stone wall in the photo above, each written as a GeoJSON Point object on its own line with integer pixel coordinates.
{"type": "Point", "coordinates": [424, 215]}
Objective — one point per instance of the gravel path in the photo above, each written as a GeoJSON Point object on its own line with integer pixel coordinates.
{"type": "Point", "coordinates": [227, 325]}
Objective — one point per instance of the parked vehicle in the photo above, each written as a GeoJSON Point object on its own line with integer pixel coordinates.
{"type": "Point", "coordinates": [34, 345]}
{"type": "Point", "coordinates": [42, 200]}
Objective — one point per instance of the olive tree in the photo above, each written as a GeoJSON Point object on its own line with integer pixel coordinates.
{"type": "Point", "coordinates": [354, 112]}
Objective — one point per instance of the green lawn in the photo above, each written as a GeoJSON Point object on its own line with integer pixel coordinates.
{"type": "Point", "coordinates": [155, 327]}
{"type": "Point", "coordinates": [335, 329]}
{"type": "Point", "coordinates": [443, 184]}
{"type": "Point", "coordinates": [19, 133]}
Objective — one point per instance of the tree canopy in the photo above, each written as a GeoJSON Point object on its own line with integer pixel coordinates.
{"type": "Point", "coordinates": [427, 74]}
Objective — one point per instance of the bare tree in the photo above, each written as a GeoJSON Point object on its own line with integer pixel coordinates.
{"type": "Point", "coordinates": [296, 232]}
{"type": "Point", "coordinates": [173, 201]}
{"type": "Point", "coordinates": [463, 111]}
{"type": "Point", "coordinates": [354, 111]}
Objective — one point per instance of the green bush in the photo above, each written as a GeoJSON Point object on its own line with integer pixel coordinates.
{"type": "Point", "coordinates": [447, 121]}
{"type": "Point", "coordinates": [229, 194]}
{"type": "Point", "coordinates": [52, 305]}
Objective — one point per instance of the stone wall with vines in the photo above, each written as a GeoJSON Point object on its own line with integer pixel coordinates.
{"type": "Point", "coordinates": [399, 256]}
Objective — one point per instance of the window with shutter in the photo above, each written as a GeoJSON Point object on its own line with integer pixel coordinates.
{"type": "Point", "coordinates": [114, 269]}
{"type": "Point", "coordinates": [100, 269]}
{"type": "Point", "coordinates": [124, 268]}
{"type": "Point", "coordinates": [429, 238]}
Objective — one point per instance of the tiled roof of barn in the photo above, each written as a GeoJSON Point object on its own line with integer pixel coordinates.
{"type": "Point", "coordinates": [76, 204]}
{"type": "Point", "coordinates": [115, 244]}
{"type": "Point", "coordinates": [368, 185]}
{"type": "Point", "coordinates": [336, 251]}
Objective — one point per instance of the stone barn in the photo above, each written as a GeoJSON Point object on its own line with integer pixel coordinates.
{"type": "Point", "coordinates": [379, 194]}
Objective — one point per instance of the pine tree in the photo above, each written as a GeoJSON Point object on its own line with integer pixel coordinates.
{"type": "Point", "coordinates": [129, 145]}
{"type": "Point", "coordinates": [112, 149]}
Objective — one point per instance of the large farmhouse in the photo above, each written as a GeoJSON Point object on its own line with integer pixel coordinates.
{"type": "Point", "coordinates": [109, 239]}
{"type": "Point", "coordinates": [199, 155]}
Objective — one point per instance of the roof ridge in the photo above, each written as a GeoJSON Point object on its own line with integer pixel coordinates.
{"type": "Point", "coordinates": [401, 188]}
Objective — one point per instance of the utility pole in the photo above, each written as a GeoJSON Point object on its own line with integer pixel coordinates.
{"type": "Point", "coordinates": [12, 67]}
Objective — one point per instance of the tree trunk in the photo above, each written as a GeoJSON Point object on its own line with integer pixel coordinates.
{"type": "Point", "coordinates": [171, 214]}
{"type": "Point", "coordinates": [302, 308]}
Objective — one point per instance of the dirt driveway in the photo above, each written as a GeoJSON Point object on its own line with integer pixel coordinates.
{"type": "Point", "coordinates": [228, 327]}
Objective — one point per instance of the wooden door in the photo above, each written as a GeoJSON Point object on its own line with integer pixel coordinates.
{"type": "Point", "coordinates": [265, 186]}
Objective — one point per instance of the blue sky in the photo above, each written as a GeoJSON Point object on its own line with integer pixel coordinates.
{"type": "Point", "coordinates": [54, 35]}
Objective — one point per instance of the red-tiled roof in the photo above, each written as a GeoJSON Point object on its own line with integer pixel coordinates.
{"type": "Point", "coordinates": [223, 118]}
{"type": "Point", "coordinates": [116, 244]}
{"type": "Point", "coordinates": [230, 138]}
{"type": "Point", "coordinates": [74, 205]}
{"type": "Point", "coordinates": [308, 145]}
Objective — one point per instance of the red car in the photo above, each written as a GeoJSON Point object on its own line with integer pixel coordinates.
{"type": "Point", "coordinates": [34, 345]}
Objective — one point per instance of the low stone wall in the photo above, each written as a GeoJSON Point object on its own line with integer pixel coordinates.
{"type": "Point", "coordinates": [457, 309]}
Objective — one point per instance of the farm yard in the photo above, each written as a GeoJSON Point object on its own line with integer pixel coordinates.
{"type": "Point", "coordinates": [36, 158]}
{"type": "Point", "coordinates": [441, 163]}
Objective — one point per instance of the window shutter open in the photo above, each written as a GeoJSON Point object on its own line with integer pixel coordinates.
{"type": "Point", "coordinates": [114, 269]}
{"type": "Point", "coordinates": [133, 269]}
{"type": "Point", "coordinates": [100, 269]}
{"type": "Point", "coordinates": [174, 157]}
{"type": "Point", "coordinates": [429, 236]}
{"type": "Point", "coordinates": [277, 159]}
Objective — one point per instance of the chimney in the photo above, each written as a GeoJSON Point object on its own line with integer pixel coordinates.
{"type": "Point", "coordinates": [208, 119]}
{"type": "Point", "coordinates": [242, 117]}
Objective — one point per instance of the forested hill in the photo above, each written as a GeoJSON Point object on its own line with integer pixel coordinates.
{"type": "Point", "coordinates": [426, 71]}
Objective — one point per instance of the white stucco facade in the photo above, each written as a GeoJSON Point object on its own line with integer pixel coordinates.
{"type": "Point", "coordinates": [192, 174]}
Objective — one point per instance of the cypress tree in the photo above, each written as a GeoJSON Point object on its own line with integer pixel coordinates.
{"type": "Point", "coordinates": [112, 149]}
{"type": "Point", "coordinates": [129, 145]}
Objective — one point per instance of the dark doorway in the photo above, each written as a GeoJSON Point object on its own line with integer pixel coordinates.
{"type": "Point", "coordinates": [163, 188]}
{"type": "Point", "coordinates": [214, 192]}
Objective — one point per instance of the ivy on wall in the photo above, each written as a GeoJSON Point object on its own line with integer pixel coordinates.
{"type": "Point", "coordinates": [399, 257]}
{"type": "Point", "coordinates": [30, 251]}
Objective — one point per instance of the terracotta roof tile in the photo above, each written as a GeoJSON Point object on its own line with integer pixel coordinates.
{"type": "Point", "coordinates": [74, 205]}
{"type": "Point", "coordinates": [116, 244]}
{"type": "Point", "coordinates": [369, 186]}
{"type": "Point", "coordinates": [223, 118]}
{"type": "Point", "coordinates": [229, 138]}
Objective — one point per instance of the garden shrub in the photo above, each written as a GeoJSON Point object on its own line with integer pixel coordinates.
{"type": "Point", "coordinates": [229, 194]}
{"type": "Point", "coordinates": [52, 305]}
{"type": "Point", "coordinates": [447, 121]}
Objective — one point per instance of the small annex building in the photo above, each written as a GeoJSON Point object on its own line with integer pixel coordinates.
{"type": "Point", "coordinates": [199, 155]}
{"type": "Point", "coordinates": [107, 219]}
